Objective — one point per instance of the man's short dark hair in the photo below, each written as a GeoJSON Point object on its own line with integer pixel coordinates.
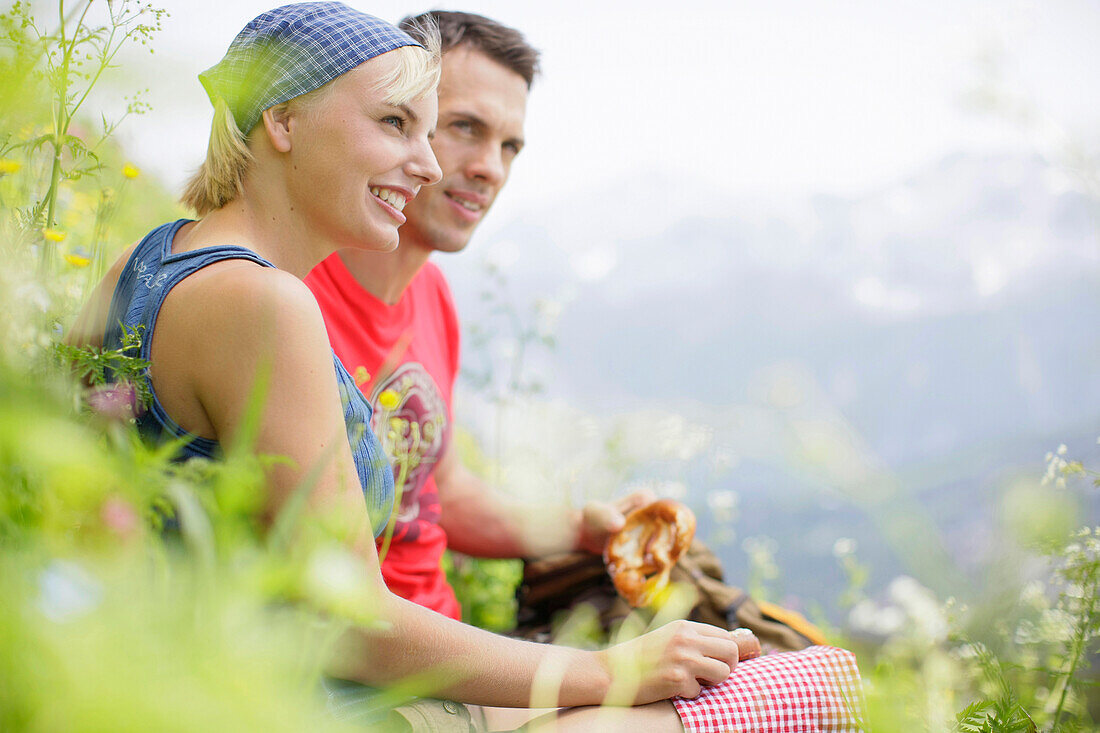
{"type": "Point", "coordinates": [502, 44]}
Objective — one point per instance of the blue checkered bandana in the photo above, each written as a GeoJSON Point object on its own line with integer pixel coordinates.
{"type": "Point", "coordinates": [291, 50]}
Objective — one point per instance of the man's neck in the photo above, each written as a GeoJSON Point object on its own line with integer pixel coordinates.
{"type": "Point", "coordinates": [385, 275]}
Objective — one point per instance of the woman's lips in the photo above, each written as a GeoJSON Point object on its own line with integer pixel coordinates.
{"type": "Point", "coordinates": [380, 196]}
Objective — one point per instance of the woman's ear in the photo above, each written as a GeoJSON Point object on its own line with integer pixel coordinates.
{"type": "Point", "coordinates": [277, 126]}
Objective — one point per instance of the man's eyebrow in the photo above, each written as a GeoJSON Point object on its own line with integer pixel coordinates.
{"type": "Point", "coordinates": [478, 121]}
{"type": "Point", "coordinates": [467, 115]}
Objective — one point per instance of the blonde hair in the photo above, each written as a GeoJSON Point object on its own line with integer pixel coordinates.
{"type": "Point", "coordinates": [416, 73]}
{"type": "Point", "coordinates": [220, 178]}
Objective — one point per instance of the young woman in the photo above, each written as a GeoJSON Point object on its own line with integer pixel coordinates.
{"type": "Point", "coordinates": [320, 137]}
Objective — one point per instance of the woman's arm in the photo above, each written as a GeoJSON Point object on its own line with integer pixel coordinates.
{"type": "Point", "coordinates": [91, 322]}
{"type": "Point", "coordinates": [242, 320]}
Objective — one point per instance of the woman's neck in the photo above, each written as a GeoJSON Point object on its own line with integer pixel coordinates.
{"type": "Point", "coordinates": [264, 229]}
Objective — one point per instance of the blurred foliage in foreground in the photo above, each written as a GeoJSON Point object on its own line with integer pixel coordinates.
{"type": "Point", "coordinates": [109, 622]}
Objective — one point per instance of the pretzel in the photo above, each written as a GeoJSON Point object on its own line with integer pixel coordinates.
{"type": "Point", "coordinates": [640, 556]}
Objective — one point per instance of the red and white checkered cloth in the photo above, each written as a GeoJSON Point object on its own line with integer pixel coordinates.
{"type": "Point", "coordinates": [816, 690]}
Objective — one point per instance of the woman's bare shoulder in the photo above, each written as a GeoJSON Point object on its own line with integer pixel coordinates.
{"type": "Point", "coordinates": [225, 324]}
{"type": "Point", "coordinates": [242, 307]}
{"type": "Point", "coordinates": [241, 290]}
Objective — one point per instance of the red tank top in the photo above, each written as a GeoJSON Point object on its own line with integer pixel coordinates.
{"type": "Point", "coordinates": [404, 358]}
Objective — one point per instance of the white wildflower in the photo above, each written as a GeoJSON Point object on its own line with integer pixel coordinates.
{"type": "Point", "coordinates": [723, 504]}
{"type": "Point", "coordinates": [722, 499]}
{"type": "Point", "coordinates": [334, 575]}
{"type": "Point", "coordinates": [871, 618]}
{"type": "Point", "coordinates": [921, 606]}
{"type": "Point", "coordinates": [67, 591]}
{"type": "Point", "coordinates": [844, 547]}
{"type": "Point", "coordinates": [547, 314]}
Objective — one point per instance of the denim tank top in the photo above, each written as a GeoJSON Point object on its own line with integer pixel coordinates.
{"type": "Point", "coordinates": [150, 273]}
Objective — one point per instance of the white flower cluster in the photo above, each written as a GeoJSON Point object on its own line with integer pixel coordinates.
{"type": "Point", "coordinates": [845, 547]}
{"type": "Point", "coordinates": [761, 551]}
{"type": "Point", "coordinates": [723, 505]}
{"type": "Point", "coordinates": [1056, 467]}
{"type": "Point", "coordinates": [911, 610]}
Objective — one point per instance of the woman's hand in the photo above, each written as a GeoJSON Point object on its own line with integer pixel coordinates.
{"type": "Point", "coordinates": [677, 659]}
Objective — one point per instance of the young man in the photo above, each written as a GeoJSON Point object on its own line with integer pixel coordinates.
{"type": "Point", "coordinates": [392, 322]}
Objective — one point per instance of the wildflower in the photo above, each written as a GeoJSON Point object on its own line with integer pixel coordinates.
{"type": "Point", "coordinates": [33, 295]}
{"type": "Point", "coordinates": [81, 205]}
{"type": "Point", "coordinates": [77, 260]}
{"type": "Point", "coordinates": [119, 516]}
{"type": "Point", "coordinates": [335, 580]}
{"type": "Point", "coordinates": [361, 376]}
{"type": "Point", "coordinates": [53, 235]}
{"type": "Point", "coordinates": [920, 607]}
{"type": "Point", "coordinates": [722, 499]}
{"type": "Point", "coordinates": [844, 546]}
{"type": "Point", "coordinates": [871, 618]}
{"type": "Point", "coordinates": [117, 401]}
{"type": "Point", "coordinates": [9, 166]}
{"type": "Point", "coordinates": [67, 591]}
{"type": "Point", "coordinates": [389, 400]}
{"type": "Point", "coordinates": [130, 171]}
{"type": "Point", "coordinates": [723, 504]}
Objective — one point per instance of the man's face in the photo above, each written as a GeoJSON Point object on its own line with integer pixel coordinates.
{"type": "Point", "coordinates": [481, 111]}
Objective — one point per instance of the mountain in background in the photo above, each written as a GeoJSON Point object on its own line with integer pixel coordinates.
{"type": "Point", "coordinates": [948, 325]}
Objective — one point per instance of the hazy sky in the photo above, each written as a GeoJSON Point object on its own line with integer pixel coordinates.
{"type": "Point", "coordinates": [713, 97]}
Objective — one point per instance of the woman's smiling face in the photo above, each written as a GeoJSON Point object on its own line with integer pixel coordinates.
{"type": "Point", "coordinates": [355, 159]}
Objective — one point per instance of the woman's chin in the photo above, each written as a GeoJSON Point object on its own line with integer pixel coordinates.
{"type": "Point", "coordinates": [390, 244]}
{"type": "Point", "coordinates": [372, 241]}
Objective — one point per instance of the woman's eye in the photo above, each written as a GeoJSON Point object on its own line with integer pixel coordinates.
{"type": "Point", "coordinates": [398, 122]}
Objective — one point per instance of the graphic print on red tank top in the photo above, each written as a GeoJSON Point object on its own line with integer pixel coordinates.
{"type": "Point", "coordinates": [410, 418]}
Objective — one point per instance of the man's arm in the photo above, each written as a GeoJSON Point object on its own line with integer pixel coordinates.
{"type": "Point", "coordinates": [484, 522]}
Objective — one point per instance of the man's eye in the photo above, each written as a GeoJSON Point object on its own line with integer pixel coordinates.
{"type": "Point", "coordinates": [511, 148]}
{"type": "Point", "coordinates": [463, 126]}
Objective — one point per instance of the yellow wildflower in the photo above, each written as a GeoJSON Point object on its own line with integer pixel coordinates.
{"type": "Point", "coordinates": [77, 260]}
{"type": "Point", "coordinates": [53, 235]}
{"type": "Point", "coordinates": [130, 171]}
{"type": "Point", "coordinates": [389, 399]}
{"type": "Point", "coordinates": [9, 166]}
{"type": "Point", "coordinates": [361, 376]}
{"type": "Point", "coordinates": [82, 204]}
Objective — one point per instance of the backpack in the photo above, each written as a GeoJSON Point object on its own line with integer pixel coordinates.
{"type": "Point", "coordinates": [553, 587]}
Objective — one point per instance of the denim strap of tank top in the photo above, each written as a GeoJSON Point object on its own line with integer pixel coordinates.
{"type": "Point", "coordinates": [150, 273]}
